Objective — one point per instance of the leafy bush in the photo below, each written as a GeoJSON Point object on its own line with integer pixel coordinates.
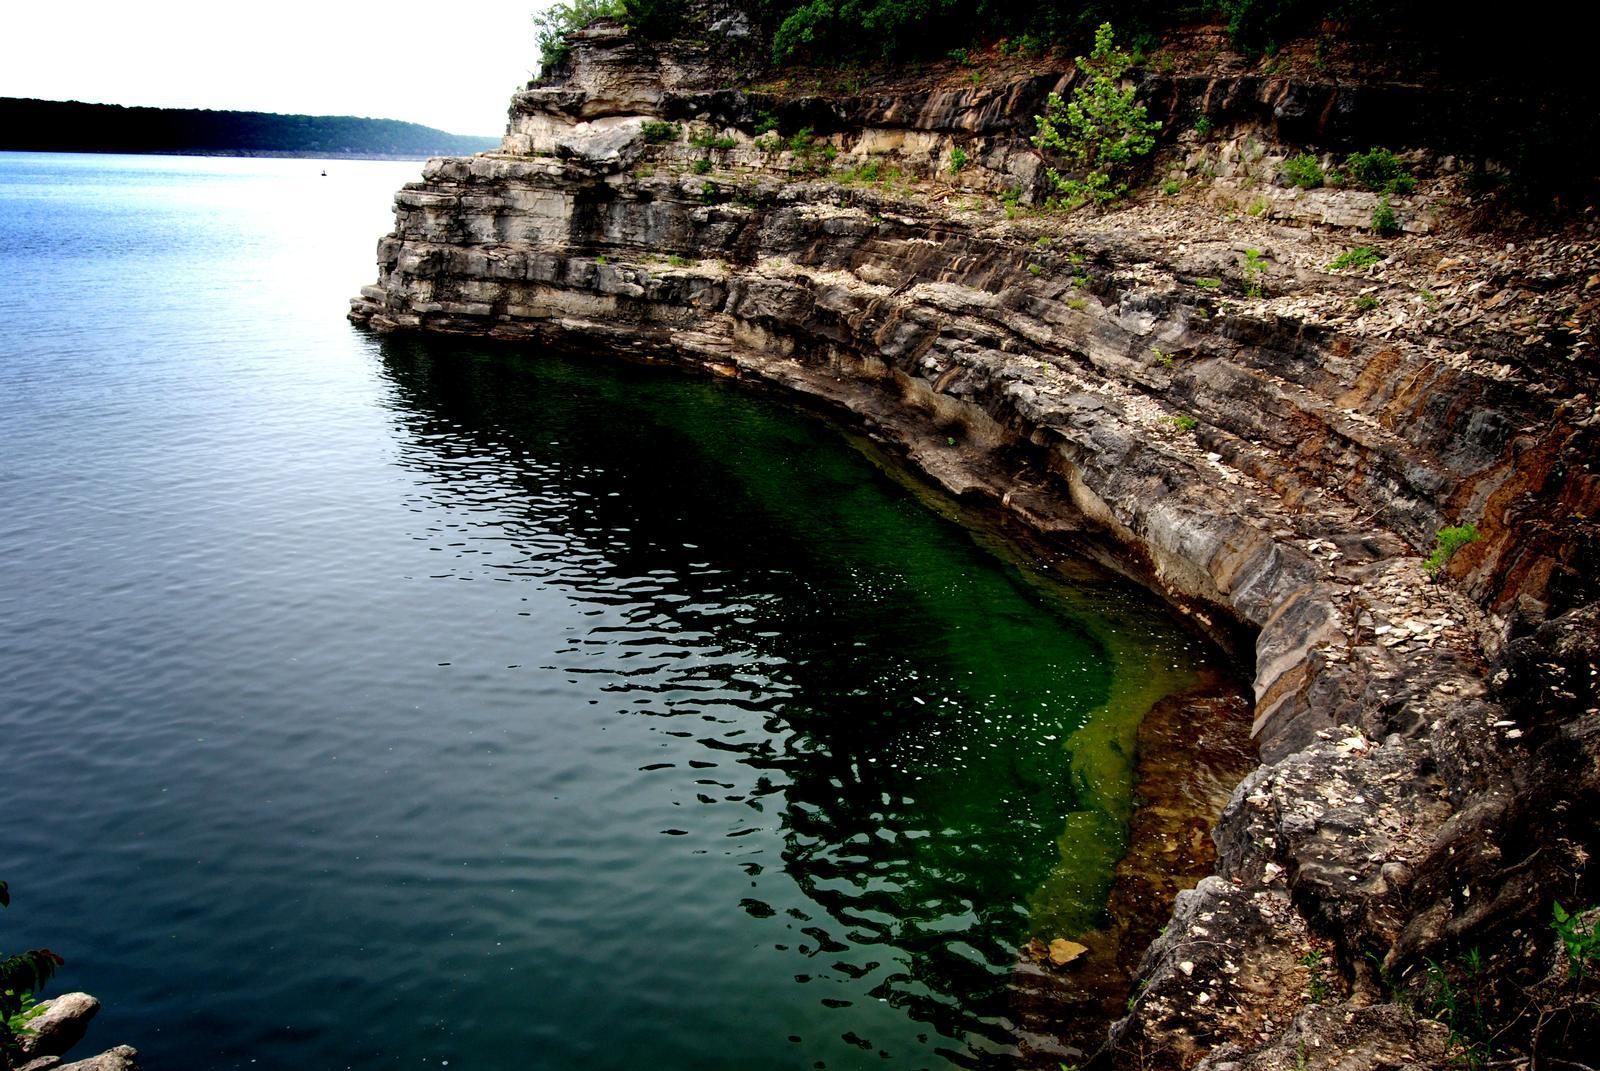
{"type": "Point", "coordinates": [1445, 544]}
{"type": "Point", "coordinates": [701, 166]}
{"type": "Point", "coordinates": [1384, 220]}
{"type": "Point", "coordinates": [1360, 257]}
{"type": "Point", "coordinates": [1255, 267]}
{"type": "Point", "coordinates": [552, 26]}
{"type": "Point", "coordinates": [21, 976]}
{"type": "Point", "coordinates": [1365, 303]}
{"type": "Point", "coordinates": [958, 159]}
{"type": "Point", "coordinates": [1204, 126]}
{"type": "Point", "coordinates": [1303, 171]}
{"type": "Point", "coordinates": [1377, 169]}
{"type": "Point", "coordinates": [654, 18]}
{"type": "Point", "coordinates": [657, 132]}
{"type": "Point", "coordinates": [1101, 131]}
{"type": "Point", "coordinates": [710, 139]}
{"type": "Point", "coordinates": [1582, 942]}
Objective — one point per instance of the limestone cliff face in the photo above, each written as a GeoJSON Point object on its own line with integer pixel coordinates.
{"type": "Point", "coordinates": [1234, 429]}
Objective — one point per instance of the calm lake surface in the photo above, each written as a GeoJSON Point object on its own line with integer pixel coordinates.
{"type": "Point", "coordinates": [386, 704]}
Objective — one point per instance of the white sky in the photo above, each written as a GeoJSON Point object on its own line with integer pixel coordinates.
{"type": "Point", "coordinates": [452, 66]}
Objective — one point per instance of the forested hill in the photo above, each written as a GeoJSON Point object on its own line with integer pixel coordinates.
{"type": "Point", "coordinates": [70, 126]}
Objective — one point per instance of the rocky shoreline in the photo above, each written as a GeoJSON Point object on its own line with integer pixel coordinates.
{"type": "Point", "coordinates": [56, 1026]}
{"type": "Point", "coordinates": [1249, 441]}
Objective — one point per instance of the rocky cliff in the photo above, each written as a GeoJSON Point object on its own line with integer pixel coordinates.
{"type": "Point", "coordinates": [1184, 387]}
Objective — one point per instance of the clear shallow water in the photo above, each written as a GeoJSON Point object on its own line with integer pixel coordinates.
{"type": "Point", "coordinates": [385, 704]}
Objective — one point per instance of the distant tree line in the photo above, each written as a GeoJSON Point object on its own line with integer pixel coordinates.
{"type": "Point", "coordinates": [70, 126]}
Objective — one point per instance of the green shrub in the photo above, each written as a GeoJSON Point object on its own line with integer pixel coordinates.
{"type": "Point", "coordinates": [1377, 169]}
{"type": "Point", "coordinates": [552, 26]}
{"type": "Point", "coordinates": [21, 976]}
{"type": "Point", "coordinates": [701, 166]}
{"type": "Point", "coordinates": [1582, 942]}
{"type": "Point", "coordinates": [1360, 257]}
{"type": "Point", "coordinates": [1255, 268]}
{"type": "Point", "coordinates": [1384, 220]}
{"type": "Point", "coordinates": [1036, 269]}
{"type": "Point", "coordinates": [1365, 303]}
{"type": "Point", "coordinates": [709, 139]}
{"type": "Point", "coordinates": [958, 159]}
{"type": "Point", "coordinates": [1446, 541]}
{"type": "Point", "coordinates": [1209, 284]}
{"type": "Point", "coordinates": [1303, 171]}
{"type": "Point", "coordinates": [1204, 126]}
{"type": "Point", "coordinates": [1171, 187]}
{"type": "Point", "coordinates": [812, 156]}
{"type": "Point", "coordinates": [656, 19]}
{"type": "Point", "coordinates": [1101, 132]}
{"type": "Point", "coordinates": [657, 132]}
{"type": "Point", "coordinates": [1184, 422]}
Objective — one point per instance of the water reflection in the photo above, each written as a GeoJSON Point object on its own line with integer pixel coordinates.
{"type": "Point", "coordinates": [869, 725]}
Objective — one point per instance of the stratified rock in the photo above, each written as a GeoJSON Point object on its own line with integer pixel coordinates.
{"type": "Point", "coordinates": [121, 1058]}
{"type": "Point", "coordinates": [60, 1025]}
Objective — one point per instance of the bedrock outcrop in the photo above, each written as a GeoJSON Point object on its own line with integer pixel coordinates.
{"type": "Point", "coordinates": [1183, 388]}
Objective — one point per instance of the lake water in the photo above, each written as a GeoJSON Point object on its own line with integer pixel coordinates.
{"type": "Point", "coordinates": [390, 704]}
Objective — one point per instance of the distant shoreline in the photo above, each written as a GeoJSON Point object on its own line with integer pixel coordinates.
{"type": "Point", "coordinates": [28, 125]}
{"type": "Point", "coordinates": [264, 154]}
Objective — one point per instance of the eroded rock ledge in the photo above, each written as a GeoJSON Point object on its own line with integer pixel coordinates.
{"type": "Point", "coordinates": [1272, 462]}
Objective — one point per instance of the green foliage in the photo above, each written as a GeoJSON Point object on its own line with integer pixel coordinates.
{"type": "Point", "coordinates": [701, 166]}
{"type": "Point", "coordinates": [1209, 284]}
{"type": "Point", "coordinates": [1365, 303]}
{"type": "Point", "coordinates": [679, 262]}
{"type": "Point", "coordinates": [1303, 171]}
{"type": "Point", "coordinates": [1163, 357]}
{"type": "Point", "coordinates": [1377, 169]}
{"type": "Point", "coordinates": [958, 159]}
{"type": "Point", "coordinates": [1384, 221]}
{"type": "Point", "coordinates": [1446, 541]}
{"type": "Point", "coordinates": [1360, 257]}
{"type": "Point", "coordinates": [709, 139]}
{"type": "Point", "coordinates": [1255, 269]}
{"type": "Point", "coordinates": [1171, 187]}
{"type": "Point", "coordinates": [1183, 422]}
{"type": "Point", "coordinates": [1317, 986]}
{"type": "Point", "coordinates": [766, 122]}
{"type": "Point", "coordinates": [1100, 132]}
{"type": "Point", "coordinates": [1580, 939]}
{"type": "Point", "coordinates": [656, 19]}
{"type": "Point", "coordinates": [1036, 269]}
{"type": "Point", "coordinates": [552, 26]}
{"type": "Point", "coordinates": [1460, 1005]}
{"type": "Point", "coordinates": [657, 132]}
{"type": "Point", "coordinates": [21, 976]}
{"type": "Point", "coordinates": [1204, 126]}
{"type": "Point", "coordinates": [812, 155]}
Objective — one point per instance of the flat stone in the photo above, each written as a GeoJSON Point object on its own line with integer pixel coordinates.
{"type": "Point", "coordinates": [1063, 952]}
{"type": "Point", "coordinates": [121, 1058]}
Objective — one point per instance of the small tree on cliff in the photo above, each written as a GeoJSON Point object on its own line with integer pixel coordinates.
{"type": "Point", "coordinates": [1100, 132]}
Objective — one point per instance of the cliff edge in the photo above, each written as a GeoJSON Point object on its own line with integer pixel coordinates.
{"type": "Point", "coordinates": [1187, 387]}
